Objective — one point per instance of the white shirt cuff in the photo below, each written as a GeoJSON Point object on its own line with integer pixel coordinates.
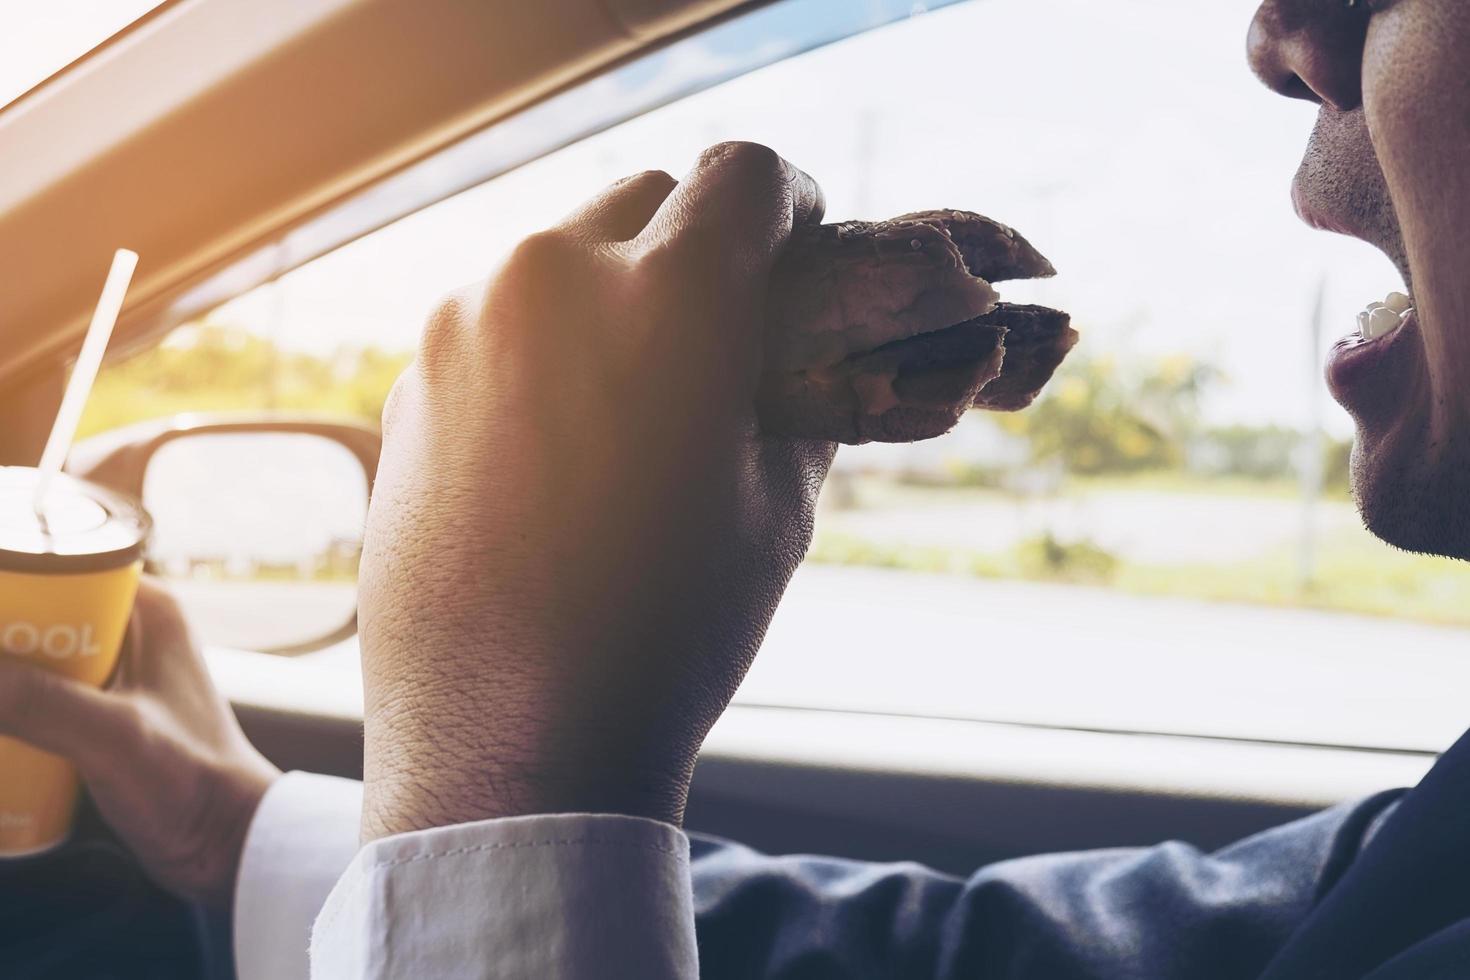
{"type": "Point", "coordinates": [303, 834]}
{"type": "Point", "coordinates": [567, 896]}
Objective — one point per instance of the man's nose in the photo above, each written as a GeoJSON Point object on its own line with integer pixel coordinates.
{"type": "Point", "coordinates": [1311, 49]}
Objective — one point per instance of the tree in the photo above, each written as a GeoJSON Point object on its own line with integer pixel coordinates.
{"type": "Point", "coordinates": [1100, 416]}
{"type": "Point", "coordinates": [216, 368]}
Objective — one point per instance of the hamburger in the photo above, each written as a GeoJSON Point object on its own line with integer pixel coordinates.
{"type": "Point", "coordinates": [890, 331]}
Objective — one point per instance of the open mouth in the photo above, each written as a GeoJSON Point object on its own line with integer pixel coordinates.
{"type": "Point", "coordinates": [1383, 319]}
{"type": "Point", "coordinates": [1366, 367]}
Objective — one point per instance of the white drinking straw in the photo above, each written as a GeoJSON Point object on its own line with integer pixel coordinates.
{"type": "Point", "coordinates": [64, 429]}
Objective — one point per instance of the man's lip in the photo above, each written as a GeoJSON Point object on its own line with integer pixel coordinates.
{"type": "Point", "coordinates": [1358, 369]}
{"type": "Point", "coordinates": [1316, 218]}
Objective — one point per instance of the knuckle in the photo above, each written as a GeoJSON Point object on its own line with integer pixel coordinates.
{"type": "Point", "coordinates": [539, 274]}
{"type": "Point", "coordinates": [393, 406]}
{"type": "Point", "coordinates": [542, 254]}
{"type": "Point", "coordinates": [652, 178]}
{"type": "Point", "coordinates": [445, 334]}
{"type": "Point", "coordinates": [751, 161]}
{"type": "Point", "coordinates": [445, 326]}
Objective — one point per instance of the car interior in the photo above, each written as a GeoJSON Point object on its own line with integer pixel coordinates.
{"type": "Point", "coordinates": [292, 163]}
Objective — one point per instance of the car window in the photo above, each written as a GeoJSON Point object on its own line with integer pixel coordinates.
{"type": "Point", "coordinates": [39, 39]}
{"type": "Point", "coordinates": [1165, 542]}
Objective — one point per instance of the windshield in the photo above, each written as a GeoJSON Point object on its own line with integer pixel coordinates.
{"type": "Point", "coordinates": [40, 39]}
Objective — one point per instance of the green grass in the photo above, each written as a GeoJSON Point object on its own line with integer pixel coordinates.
{"type": "Point", "coordinates": [113, 405]}
{"type": "Point", "coordinates": [847, 549]}
{"type": "Point", "coordinates": [225, 369]}
{"type": "Point", "coordinates": [884, 491]}
{"type": "Point", "coordinates": [1353, 575]}
{"type": "Point", "coordinates": [1189, 484]}
{"type": "Point", "coordinates": [1356, 575]}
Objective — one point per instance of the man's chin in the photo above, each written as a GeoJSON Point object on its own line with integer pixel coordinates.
{"type": "Point", "coordinates": [1412, 495]}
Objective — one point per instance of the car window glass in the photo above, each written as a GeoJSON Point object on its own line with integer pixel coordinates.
{"type": "Point", "coordinates": [1165, 542]}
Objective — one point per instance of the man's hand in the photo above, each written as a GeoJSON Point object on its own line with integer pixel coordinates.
{"type": "Point", "coordinates": [578, 536]}
{"type": "Point", "coordinates": [160, 752]}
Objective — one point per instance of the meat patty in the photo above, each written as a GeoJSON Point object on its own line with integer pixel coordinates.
{"type": "Point", "coordinates": [890, 331]}
{"type": "Point", "coordinates": [1037, 340]}
{"type": "Point", "coordinates": [920, 387]}
{"type": "Point", "coordinates": [840, 289]}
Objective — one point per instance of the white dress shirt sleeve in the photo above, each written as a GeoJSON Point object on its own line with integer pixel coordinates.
{"type": "Point", "coordinates": [523, 898]}
{"type": "Point", "coordinates": [569, 896]}
{"type": "Point", "coordinates": [303, 836]}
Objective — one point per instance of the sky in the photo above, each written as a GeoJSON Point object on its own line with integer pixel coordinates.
{"type": "Point", "coordinates": [1128, 140]}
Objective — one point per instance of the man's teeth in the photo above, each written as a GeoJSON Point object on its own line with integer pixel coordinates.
{"type": "Point", "coordinates": [1382, 319]}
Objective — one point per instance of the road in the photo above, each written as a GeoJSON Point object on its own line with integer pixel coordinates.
{"type": "Point", "coordinates": [910, 643]}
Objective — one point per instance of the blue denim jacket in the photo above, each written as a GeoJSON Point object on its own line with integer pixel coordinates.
{"type": "Point", "coordinates": [1377, 889]}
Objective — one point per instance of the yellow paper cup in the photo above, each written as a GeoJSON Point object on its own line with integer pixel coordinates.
{"type": "Point", "coordinates": [66, 592]}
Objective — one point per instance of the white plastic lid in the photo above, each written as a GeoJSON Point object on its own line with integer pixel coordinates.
{"type": "Point", "coordinates": [87, 527]}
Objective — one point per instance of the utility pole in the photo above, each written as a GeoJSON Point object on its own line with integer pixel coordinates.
{"type": "Point", "coordinates": [1311, 449]}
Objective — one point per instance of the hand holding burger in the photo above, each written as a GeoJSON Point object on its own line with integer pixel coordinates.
{"type": "Point", "coordinates": [583, 521]}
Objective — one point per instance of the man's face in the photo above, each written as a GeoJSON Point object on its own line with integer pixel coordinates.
{"type": "Point", "coordinates": [1389, 163]}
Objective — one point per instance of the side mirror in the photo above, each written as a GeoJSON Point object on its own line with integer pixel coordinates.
{"type": "Point", "coordinates": [257, 522]}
